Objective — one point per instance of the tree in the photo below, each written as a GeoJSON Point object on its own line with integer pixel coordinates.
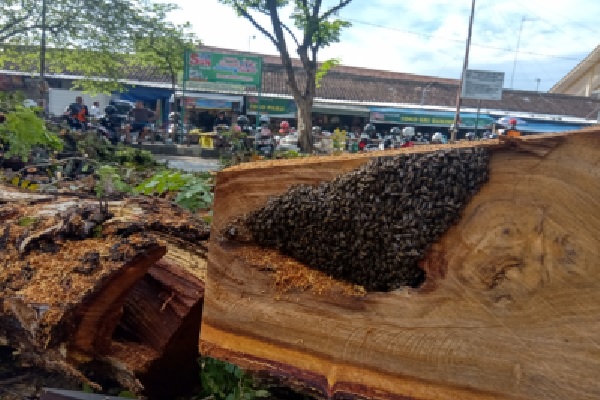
{"type": "Point", "coordinates": [91, 38]}
{"type": "Point", "coordinates": [162, 44]}
{"type": "Point", "coordinates": [318, 27]}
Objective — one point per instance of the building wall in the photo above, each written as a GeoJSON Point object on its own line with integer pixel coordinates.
{"type": "Point", "coordinates": [59, 99]}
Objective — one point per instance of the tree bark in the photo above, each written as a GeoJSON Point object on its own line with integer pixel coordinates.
{"type": "Point", "coordinates": [509, 309]}
{"type": "Point", "coordinates": [305, 137]}
{"type": "Point", "coordinates": [83, 290]}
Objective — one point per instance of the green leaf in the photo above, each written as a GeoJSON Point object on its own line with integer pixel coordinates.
{"type": "Point", "coordinates": [127, 394]}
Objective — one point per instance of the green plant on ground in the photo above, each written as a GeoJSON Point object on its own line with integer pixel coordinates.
{"type": "Point", "coordinates": [224, 381]}
{"type": "Point", "coordinates": [27, 221]}
{"type": "Point", "coordinates": [193, 191]}
{"type": "Point", "coordinates": [110, 182]}
{"type": "Point", "coordinates": [23, 130]}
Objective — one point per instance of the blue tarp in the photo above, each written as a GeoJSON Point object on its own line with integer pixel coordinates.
{"type": "Point", "coordinates": [548, 127]}
{"type": "Point", "coordinates": [426, 111]}
{"type": "Point", "coordinates": [149, 96]}
{"type": "Point", "coordinates": [536, 126]}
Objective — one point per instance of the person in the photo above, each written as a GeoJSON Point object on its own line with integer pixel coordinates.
{"type": "Point", "coordinates": [95, 111]}
{"type": "Point", "coordinates": [362, 144]}
{"type": "Point", "coordinates": [78, 114]}
{"type": "Point", "coordinates": [141, 118]}
{"type": "Point", "coordinates": [220, 120]}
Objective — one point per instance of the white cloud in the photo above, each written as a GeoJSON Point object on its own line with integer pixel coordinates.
{"type": "Point", "coordinates": [428, 36]}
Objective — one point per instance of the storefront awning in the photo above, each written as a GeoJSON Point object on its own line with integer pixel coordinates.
{"type": "Point", "coordinates": [272, 106]}
{"type": "Point", "coordinates": [340, 109]}
{"type": "Point", "coordinates": [212, 100]}
{"type": "Point", "coordinates": [418, 117]}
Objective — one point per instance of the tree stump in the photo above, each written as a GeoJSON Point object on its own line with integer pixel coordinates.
{"type": "Point", "coordinates": [115, 292]}
{"type": "Point", "coordinates": [509, 307]}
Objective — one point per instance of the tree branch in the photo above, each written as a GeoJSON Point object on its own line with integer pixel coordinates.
{"type": "Point", "coordinates": [250, 18]}
{"type": "Point", "coordinates": [288, 30]}
{"type": "Point", "coordinates": [335, 9]}
{"type": "Point", "coordinates": [282, 47]}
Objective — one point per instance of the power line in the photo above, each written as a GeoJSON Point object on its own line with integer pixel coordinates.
{"type": "Point", "coordinates": [428, 35]}
{"type": "Point", "coordinates": [522, 4]}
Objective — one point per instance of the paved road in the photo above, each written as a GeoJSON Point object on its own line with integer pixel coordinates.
{"type": "Point", "coordinates": [190, 164]}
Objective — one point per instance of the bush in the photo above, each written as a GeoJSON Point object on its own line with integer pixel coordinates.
{"type": "Point", "coordinates": [193, 192]}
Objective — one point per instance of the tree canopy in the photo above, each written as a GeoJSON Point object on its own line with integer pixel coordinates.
{"type": "Point", "coordinates": [94, 38]}
{"type": "Point", "coordinates": [162, 44]}
{"type": "Point", "coordinates": [318, 27]}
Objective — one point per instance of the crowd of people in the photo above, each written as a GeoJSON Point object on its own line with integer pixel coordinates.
{"type": "Point", "coordinates": [137, 121]}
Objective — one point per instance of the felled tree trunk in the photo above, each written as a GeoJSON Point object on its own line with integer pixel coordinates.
{"type": "Point", "coordinates": [508, 306]}
{"type": "Point", "coordinates": [88, 289]}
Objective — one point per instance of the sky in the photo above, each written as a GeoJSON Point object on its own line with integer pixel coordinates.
{"type": "Point", "coordinates": [428, 37]}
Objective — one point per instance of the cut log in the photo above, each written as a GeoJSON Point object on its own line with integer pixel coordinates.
{"type": "Point", "coordinates": [83, 290]}
{"type": "Point", "coordinates": [510, 303]}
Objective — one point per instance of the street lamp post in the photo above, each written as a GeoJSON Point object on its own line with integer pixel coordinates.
{"type": "Point", "coordinates": [425, 89]}
{"type": "Point", "coordinates": [250, 38]}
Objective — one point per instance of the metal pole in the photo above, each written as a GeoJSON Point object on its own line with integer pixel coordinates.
{"type": "Point", "coordinates": [186, 74]}
{"type": "Point", "coordinates": [42, 84]}
{"type": "Point", "coordinates": [259, 94]}
{"type": "Point", "coordinates": [43, 43]}
{"type": "Point", "coordinates": [477, 119]}
{"type": "Point", "coordinates": [462, 77]}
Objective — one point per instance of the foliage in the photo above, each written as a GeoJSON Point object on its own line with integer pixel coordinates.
{"type": "Point", "coordinates": [324, 69]}
{"type": "Point", "coordinates": [102, 151]}
{"type": "Point", "coordinates": [224, 381]}
{"type": "Point", "coordinates": [110, 182]}
{"type": "Point", "coordinates": [163, 44]}
{"type": "Point", "coordinates": [27, 221]}
{"type": "Point", "coordinates": [23, 130]}
{"type": "Point", "coordinates": [193, 192]}
{"type": "Point", "coordinates": [318, 28]}
{"type": "Point", "coordinates": [339, 139]}
{"type": "Point", "coordinates": [127, 394]}
{"type": "Point", "coordinates": [102, 48]}
{"type": "Point", "coordinates": [132, 156]}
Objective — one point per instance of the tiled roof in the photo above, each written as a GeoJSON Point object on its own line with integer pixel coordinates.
{"type": "Point", "coordinates": [368, 85]}
{"type": "Point", "coordinates": [347, 86]}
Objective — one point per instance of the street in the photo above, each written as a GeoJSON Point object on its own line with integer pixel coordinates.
{"type": "Point", "coordinates": [190, 163]}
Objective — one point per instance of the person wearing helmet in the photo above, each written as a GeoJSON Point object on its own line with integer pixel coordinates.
{"type": "Point", "coordinates": [242, 121]}
{"type": "Point", "coordinates": [371, 131]}
{"type": "Point", "coordinates": [220, 120]}
{"type": "Point", "coordinates": [284, 127]}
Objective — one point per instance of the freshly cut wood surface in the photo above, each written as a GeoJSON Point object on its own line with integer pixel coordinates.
{"type": "Point", "coordinates": [80, 282]}
{"type": "Point", "coordinates": [510, 308]}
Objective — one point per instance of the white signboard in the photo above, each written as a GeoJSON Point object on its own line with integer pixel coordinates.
{"type": "Point", "coordinates": [482, 85]}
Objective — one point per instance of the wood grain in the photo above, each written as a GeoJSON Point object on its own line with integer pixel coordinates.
{"type": "Point", "coordinates": [510, 308]}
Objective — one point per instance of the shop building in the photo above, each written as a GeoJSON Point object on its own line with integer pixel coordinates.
{"type": "Point", "coordinates": [348, 97]}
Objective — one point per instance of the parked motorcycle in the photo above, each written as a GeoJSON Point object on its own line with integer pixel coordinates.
{"type": "Point", "coordinates": [116, 116]}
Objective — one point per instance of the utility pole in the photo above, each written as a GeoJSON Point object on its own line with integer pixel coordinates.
{"type": "Point", "coordinates": [462, 77]}
{"type": "Point", "coordinates": [42, 85]}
